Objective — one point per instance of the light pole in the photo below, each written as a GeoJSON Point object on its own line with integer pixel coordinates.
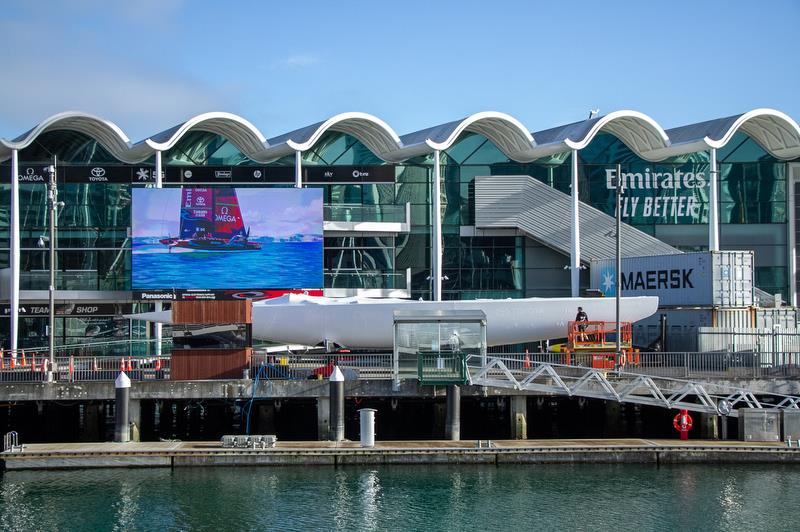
{"type": "Point", "coordinates": [618, 265]}
{"type": "Point", "coordinates": [52, 205]}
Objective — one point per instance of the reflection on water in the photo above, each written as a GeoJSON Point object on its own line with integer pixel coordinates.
{"type": "Point", "coordinates": [571, 497]}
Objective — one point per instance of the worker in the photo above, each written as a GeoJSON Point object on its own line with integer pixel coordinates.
{"type": "Point", "coordinates": [582, 321]}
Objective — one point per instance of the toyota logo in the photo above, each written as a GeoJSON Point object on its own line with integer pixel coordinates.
{"type": "Point", "coordinates": [98, 172]}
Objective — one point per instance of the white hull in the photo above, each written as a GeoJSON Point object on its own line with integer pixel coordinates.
{"type": "Point", "coordinates": [368, 323]}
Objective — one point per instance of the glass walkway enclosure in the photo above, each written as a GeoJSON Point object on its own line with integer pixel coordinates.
{"type": "Point", "coordinates": [433, 345]}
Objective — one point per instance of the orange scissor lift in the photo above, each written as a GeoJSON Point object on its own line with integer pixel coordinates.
{"type": "Point", "coordinates": [595, 345]}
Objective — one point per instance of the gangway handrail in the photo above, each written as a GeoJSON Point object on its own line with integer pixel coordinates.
{"type": "Point", "coordinates": [619, 385]}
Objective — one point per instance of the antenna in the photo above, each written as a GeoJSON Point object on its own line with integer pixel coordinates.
{"type": "Point", "coordinates": [593, 113]}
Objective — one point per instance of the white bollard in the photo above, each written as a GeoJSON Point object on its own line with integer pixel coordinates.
{"type": "Point", "coordinates": [367, 427]}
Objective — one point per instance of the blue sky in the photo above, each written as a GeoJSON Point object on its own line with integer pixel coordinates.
{"type": "Point", "coordinates": [149, 64]}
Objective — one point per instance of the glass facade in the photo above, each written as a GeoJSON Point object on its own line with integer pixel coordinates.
{"type": "Point", "coordinates": [668, 199]}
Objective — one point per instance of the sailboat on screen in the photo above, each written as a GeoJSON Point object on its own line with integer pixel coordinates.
{"type": "Point", "coordinates": [211, 220]}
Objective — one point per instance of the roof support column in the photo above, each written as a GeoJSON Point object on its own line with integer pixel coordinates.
{"type": "Point", "coordinates": [575, 242]}
{"type": "Point", "coordinates": [159, 170]}
{"type": "Point", "coordinates": [713, 207]}
{"type": "Point", "coordinates": [298, 169]}
{"type": "Point", "coordinates": [14, 262]}
{"type": "Point", "coordinates": [436, 229]}
{"type": "Point", "coordinates": [158, 328]}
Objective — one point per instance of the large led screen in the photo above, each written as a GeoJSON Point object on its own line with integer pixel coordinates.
{"type": "Point", "coordinates": [227, 238]}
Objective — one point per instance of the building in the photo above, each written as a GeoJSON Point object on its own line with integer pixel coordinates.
{"type": "Point", "coordinates": [445, 212]}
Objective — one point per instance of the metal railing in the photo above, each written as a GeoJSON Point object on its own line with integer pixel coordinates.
{"type": "Point", "coordinates": [91, 363]}
{"type": "Point", "coordinates": [128, 348]}
{"type": "Point", "coordinates": [365, 213]}
{"type": "Point", "coordinates": [85, 368]}
{"type": "Point", "coordinates": [717, 364]}
{"type": "Point", "coordinates": [622, 385]}
{"type": "Point", "coordinates": [305, 366]}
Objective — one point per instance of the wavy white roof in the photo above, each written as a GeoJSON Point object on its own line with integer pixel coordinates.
{"type": "Point", "coordinates": [776, 132]}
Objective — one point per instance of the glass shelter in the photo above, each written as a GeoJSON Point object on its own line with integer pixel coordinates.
{"type": "Point", "coordinates": [433, 346]}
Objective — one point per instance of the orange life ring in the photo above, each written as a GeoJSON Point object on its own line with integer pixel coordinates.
{"type": "Point", "coordinates": [622, 359]}
{"type": "Point", "coordinates": [676, 422]}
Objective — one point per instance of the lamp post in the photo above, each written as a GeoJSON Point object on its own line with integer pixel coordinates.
{"type": "Point", "coordinates": [618, 264]}
{"type": "Point", "coordinates": [52, 205]}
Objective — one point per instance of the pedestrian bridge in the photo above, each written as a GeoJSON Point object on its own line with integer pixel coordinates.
{"type": "Point", "coordinates": [637, 384]}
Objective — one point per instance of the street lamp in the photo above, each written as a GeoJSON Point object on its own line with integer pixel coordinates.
{"type": "Point", "coordinates": [52, 205]}
{"type": "Point", "coordinates": [619, 186]}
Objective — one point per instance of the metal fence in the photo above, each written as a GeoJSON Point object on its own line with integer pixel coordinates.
{"type": "Point", "coordinates": [722, 365]}
{"type": "Point", "coordinates": [85, 368]}
{"type": "Point", "coordinates": [309, 366]}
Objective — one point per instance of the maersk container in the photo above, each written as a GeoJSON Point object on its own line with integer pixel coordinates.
{"type": "Point", "coordinates": [704, 279]}
{"type": "Point", "coordinates": [683, 325]}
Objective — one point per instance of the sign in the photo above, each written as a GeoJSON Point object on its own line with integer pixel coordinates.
{"type": "Point", "coordinates": [202, 174]}
{"type": "Point", "coordinates": [94, 174]}
{"type": "Point", "coordinates": [72, 309]}
{"type": "Point", "coordinates": [653, 194]}
{"type": "Point", "coordinates": [349, 174]}
{"type": "Point", "coordinates": [218, 295]}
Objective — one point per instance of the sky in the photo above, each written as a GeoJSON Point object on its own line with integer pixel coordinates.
{"type": "Point", "coordinates": [150, 64]}
{"type": "Point", "coordinates": [275, 212]}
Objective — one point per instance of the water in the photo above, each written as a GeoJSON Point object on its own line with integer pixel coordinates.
{"type": "Point", "coordinates": [551, 497]}
{"type": "Point", "coordinates": [275, 265]}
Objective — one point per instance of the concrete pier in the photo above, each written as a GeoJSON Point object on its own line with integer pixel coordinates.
{"type": "Point", "coordinates": [186, 454]}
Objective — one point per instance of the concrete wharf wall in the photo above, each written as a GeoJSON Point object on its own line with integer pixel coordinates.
{"type": "Point", "coordinates": [243, 389]}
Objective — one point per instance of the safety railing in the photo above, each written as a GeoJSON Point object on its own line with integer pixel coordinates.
{"type": "Point", "coordinates": [305, 366]}
{"type": "Point", "coordinates": [117, 348]}
{"type": "Point", "coordinates": [85, 368]}
{"type": "Point", "coordinates": [365, 213]}
{"type": "Point", "coordinates": [721, 364]}
{"type": "Point", "coordinates": [35, 366]}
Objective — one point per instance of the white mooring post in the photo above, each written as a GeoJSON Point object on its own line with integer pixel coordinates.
{"type": "Point", "coordinates": [122, 389]}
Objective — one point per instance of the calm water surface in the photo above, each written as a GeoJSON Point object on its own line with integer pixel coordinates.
{"type": "Point", "coordinates": [553, 497]}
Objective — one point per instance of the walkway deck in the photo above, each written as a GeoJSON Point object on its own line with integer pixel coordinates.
{"type": "Point", "coordinates": [186, 454]}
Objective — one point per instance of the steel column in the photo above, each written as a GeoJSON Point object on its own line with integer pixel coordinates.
{"type": "Point", "coordinates": [14, 262]}
{"type": "Point", "coordinates": [159, 171]}
{"type": "Point", "coordinates": [452, 424]}
{"type": "Point", "coordinates": [575, 244]}
{"type": "Point", "coordinates": [158, 326]}
{"type": "Point", "coordinates": [436, 229]}
{"type": "Point", "coordinates": [298, 169]}
{"type": "Point", "coordinates": [713, 200]}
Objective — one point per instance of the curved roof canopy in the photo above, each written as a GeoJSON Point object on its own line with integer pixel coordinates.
{"type": "Point", "coordinates": [373, 132]}
{"type": "Point", "coordinates": [773, 130]}
{"type": "Point", "coordinates": [776, 132]}
{"type": "Point", "coordinates": [103, 131]}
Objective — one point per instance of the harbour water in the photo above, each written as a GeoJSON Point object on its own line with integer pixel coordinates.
{"type": "Point", "coordinates": [551, 497]}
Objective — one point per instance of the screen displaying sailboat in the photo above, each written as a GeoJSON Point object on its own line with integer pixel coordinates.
{"type": "Point", "coordinates": [211, 220]}
{"type": "Point", "coordinates": [223, 238]}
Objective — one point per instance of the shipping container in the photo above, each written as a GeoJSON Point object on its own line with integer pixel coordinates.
{"type": "Point", "coordinates": [777, 318]}
{"type": "Point", "coordinates": [705, 279]}
{"type": "Point", "coordinates": [683, 326]}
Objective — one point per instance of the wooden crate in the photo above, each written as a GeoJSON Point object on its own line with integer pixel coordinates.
{"type": "Point", "coordinates": [209, 364]}
{"type": "Point", "coordinates": [212, 312]}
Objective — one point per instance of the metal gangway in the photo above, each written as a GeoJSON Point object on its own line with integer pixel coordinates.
{"type": "Point", "coordinates": [504, 371]}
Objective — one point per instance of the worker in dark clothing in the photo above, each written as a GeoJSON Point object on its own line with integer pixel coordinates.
{"type": "Point", "coordinates": [582, 319]}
